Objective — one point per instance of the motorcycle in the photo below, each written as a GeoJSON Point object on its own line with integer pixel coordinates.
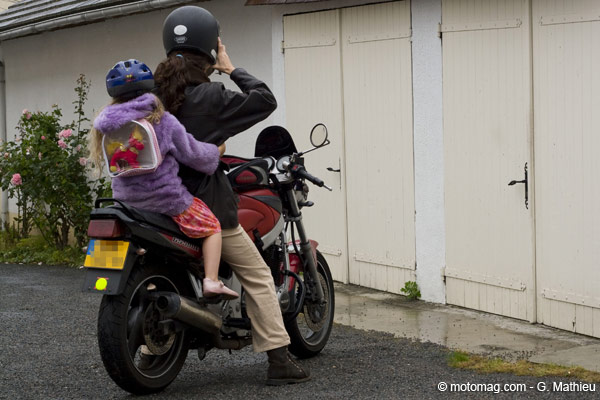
{"type": "Point", "coordinates": [150, 274]}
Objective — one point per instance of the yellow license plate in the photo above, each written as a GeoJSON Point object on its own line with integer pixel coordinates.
{"type": "Point", "coordinates": [108, 254]}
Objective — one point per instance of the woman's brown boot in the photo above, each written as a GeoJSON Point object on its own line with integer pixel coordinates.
{"type": "Point", "coordinates": [283, 370]}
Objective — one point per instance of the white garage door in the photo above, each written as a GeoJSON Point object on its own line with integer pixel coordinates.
{"type": "Point", "coordinates": [312, 93]}
{"type": "Point", "coordinates": [489, 101]}
{"type": "Point", "coordinates": [567, 154]}
{"type": "Point", "coordinates": [351, 68]}
{"type": "Point", "coordinates": [487, 143]}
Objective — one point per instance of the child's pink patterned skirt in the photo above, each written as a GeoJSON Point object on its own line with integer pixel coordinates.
{"type": "Point", "coordinates": [198, 221]}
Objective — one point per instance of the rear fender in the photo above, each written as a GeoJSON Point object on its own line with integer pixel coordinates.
{"type": "Point", "coordinates": [101, 278]}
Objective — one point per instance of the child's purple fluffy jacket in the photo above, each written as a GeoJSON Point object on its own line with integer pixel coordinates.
{"type": "Point", "coordinates": [161, 191]}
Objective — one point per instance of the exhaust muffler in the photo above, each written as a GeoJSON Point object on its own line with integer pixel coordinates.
{"type": "Point", "coordinates": [171, 305]}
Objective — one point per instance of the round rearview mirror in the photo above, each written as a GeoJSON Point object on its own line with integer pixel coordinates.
{"type": "Point", "coordinates": [318, 135]}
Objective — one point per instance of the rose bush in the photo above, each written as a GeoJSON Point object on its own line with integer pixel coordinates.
{"type": "Point", "coordinates": [45, 170]}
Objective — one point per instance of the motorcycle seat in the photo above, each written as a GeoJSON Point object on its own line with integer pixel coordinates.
{"type": "Point", "coordinates": [160, 221]}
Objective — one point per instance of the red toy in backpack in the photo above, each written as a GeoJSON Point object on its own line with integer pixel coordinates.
{"type": "Point", "coordinates": [132, 149]}
{"type": "Point", "coordinates": [126, 156]}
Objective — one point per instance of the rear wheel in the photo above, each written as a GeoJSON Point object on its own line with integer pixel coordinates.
{"type": "Point", "coordinates": [310, 330]}
{"type": "Point", "coordinates": [137, 353]}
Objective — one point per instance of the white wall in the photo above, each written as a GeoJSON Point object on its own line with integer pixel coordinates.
{"type": "Point", "coordinates": [429, 149]}
{"type": "Point", "coordinates": [41, 70]}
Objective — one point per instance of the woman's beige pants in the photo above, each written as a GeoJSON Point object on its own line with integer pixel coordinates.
{"type": "Point", "coordinates": [268, 331]}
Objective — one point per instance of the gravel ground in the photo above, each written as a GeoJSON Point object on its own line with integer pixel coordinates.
{"type": "Point", "coordinates": [48, 350]}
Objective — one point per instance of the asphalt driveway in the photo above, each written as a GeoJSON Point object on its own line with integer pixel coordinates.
{"type": "Point", "coordinates": [48, 350]}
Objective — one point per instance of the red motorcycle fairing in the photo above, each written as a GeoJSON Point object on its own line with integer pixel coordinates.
{"type": "Point", "coordinates": [255, 214]}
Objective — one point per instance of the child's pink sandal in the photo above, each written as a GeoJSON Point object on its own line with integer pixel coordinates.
{"type": "Point", "coordinates": [211, 288]}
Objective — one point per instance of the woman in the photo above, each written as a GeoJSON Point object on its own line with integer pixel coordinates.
{"type": "Point", "coordinates": [213, 114]}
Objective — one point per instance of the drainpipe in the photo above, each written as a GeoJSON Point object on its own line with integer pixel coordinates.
{"type": "Point", "coordinates": [87, 17]}
{"type": "Point", "coordinates": [4, 198]}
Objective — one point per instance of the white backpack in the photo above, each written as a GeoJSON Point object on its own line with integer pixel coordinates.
{"type": "Point", "coordinates": [132, 149]}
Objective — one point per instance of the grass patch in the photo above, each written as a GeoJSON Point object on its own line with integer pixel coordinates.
{"type": "Point", "coordinates": [462, 360]}
{"type": "Point", "coordinates": [35, 250]}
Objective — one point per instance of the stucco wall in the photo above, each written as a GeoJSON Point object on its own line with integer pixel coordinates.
{"type": "Point", "coordinates": [429, 148]}
{"type": "Point", "coordinates": [41, 70]}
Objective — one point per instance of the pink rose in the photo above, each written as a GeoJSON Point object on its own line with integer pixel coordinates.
{"type": "Point", "coordinates": [40, 155]}
{"type": "Point", "coordinates": [43, 137]}
{"type": "Point", "coordinates": [62, 144]}
{"type": "Point", "coordinates": [25, 111]}
{"type": "Point", "coordinates": [28, 116]}
{"type": "Point", "coordinates": [65, 133]}
{"type": "Point", "coordinates": [83, 161]}
{"type": "Point", "coordinates": [78, 148]}
{"type": "Point", "coordinates": [16, 180]}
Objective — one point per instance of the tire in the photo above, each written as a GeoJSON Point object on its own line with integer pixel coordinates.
{"type": "Point", "coordinates": [123, 322]}
{"type": "Point", "coordinates": [310, 330]}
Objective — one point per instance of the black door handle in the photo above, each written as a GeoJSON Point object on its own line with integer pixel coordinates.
{"type": "Point", "coordinates": [526, 183]}
{"type": "Point", "coordinates": [333, 170]}
{"type": "Point", "coordinates": [511, 183]}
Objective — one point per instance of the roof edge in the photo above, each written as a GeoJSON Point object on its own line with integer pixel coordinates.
{"type": "Point", "coordinates": [277, 2]}
{"type": "Point", "coordinates": [89, 16]}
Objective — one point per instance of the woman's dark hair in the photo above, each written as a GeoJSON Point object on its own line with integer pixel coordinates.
{"type": "Point", "coordinates": [179, 70]}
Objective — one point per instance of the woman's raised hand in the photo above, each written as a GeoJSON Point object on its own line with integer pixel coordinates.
{"type": "Point", "coordinates": [223, 63]}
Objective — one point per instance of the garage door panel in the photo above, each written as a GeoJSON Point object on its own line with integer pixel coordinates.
{"type": "Point", "coordinates": [379, 158]}
{"type": "Point", "coordinates": [313, 94]}
{"type": "Point", "coordinates": [566, 83]}
{"type": "Point", "coordinates": [487, 142]}
{"type": "Point", "coordinates": [476, 13]}
{"type": "Point", "coordinates": [360, 58]}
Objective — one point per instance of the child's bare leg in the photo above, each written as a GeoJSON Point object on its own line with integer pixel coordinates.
{"type": "Point", "coordinates": [211, 250]}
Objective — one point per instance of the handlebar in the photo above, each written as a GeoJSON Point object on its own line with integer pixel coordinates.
{"type": "Point", "coordinates": [301, 172]}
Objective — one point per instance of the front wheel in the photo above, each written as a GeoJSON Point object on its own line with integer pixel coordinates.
{"type": "Point", "coordinates": [310, 330]}
{"type": "Point", "coordinates": [139, 356]}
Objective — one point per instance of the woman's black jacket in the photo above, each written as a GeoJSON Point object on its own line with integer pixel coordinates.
{"type": "Point", "coordinates": [213, 114]}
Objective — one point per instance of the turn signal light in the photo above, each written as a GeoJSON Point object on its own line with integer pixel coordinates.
{"type": "Point", "coordinates": [105, 228]}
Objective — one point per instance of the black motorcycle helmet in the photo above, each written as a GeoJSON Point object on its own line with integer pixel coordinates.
{"type": "Point", "coordinates": [191, 28]}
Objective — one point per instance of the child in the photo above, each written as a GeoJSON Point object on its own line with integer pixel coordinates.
{"type": "Point", "coordinates": [129, 84]}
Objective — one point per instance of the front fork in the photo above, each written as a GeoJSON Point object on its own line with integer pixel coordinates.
{"type": "Point", "coordinates": [313, 284]}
